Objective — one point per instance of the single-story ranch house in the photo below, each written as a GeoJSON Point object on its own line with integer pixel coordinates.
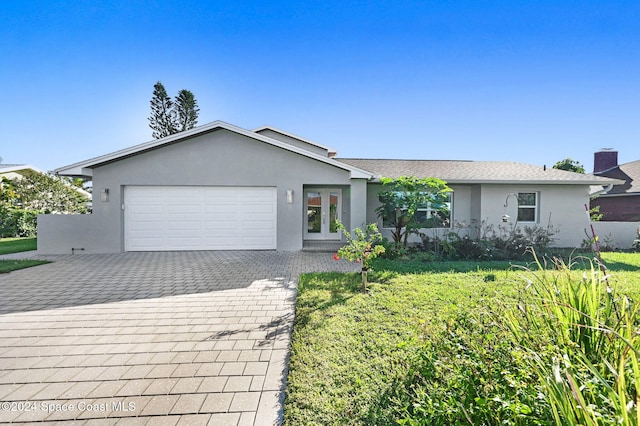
{"type": "Point", "coordinates": [222, 187]}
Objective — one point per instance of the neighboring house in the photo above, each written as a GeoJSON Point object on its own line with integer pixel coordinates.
{"type": "Point", "coordinates": [221, 187]}
{"type": "Point", "coordinates": [12, 171]}
{"type": "Point", "coordinates": [621, 203]}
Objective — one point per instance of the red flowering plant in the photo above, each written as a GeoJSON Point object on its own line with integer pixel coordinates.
{"type": "Point", "coordinates": [362, 247]}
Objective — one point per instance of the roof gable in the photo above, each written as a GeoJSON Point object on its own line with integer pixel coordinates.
{"type": "Point", "coordinates": [85, 168]}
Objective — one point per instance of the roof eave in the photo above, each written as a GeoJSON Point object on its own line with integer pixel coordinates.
{"type": "Point", "coordinates": [513, 181]}
{"type": "Point", "coordinates": [621, 194]}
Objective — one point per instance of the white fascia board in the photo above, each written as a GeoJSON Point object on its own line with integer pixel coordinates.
{"type": "Point", "coordinates": [74, 171]}
{"type": "Point", "coordinates": [361, 174]}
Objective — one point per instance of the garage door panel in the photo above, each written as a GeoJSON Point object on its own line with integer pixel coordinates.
{"type": "Point", "coordinates": [256, 224]}
{"type": "Point", "coordinates": [143, 213]}
{"type": "Point", "coordinates": [184, 208]}
{"type": "Point", "coordinates": [184, 226]}
{"type": "Point", "coordinates": [255, 208]}
{"type": "Point", "coordinates": [222, 210]}
{"type": "Point", "coordinates": [199, 218]}
{"type": "Point", "coordinates": [221, 218]}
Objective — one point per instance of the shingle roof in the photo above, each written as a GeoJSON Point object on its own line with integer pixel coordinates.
{"type": "Point", "coordinates": [629, 173]}
{"type": "Point", "coordinates": [455, 171]}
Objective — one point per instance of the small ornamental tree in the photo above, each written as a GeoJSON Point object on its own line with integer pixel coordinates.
{"type": "Point", "coordinates": [401, 199]}
{"type": "Point", "coordinates": [361, 248]}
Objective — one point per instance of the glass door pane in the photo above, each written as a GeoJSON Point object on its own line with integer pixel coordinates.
{"type": "Point", "coordinates": [314, 213]}
{"type": "Point", "coordinates": [334, 197]}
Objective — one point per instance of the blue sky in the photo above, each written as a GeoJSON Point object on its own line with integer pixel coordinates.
{"type": "Point", "coordinates": [528, 81]}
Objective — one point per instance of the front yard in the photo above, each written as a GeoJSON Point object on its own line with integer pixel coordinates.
{"type": "Point", "coordinates": [17, 245]}
{"type": "Point", "coordinates": [427, 345]}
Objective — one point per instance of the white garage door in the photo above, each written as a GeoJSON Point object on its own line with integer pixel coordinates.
{"type": "Point", "coordinates": [199, 218]}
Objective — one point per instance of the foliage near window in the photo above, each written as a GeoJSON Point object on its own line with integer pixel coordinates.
{"type": "Point", "coordinates": [487, 242]}
{"type": "Point", "coordinates": [410, 203]}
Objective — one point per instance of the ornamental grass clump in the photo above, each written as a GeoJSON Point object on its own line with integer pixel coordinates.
{"type": "Point", "coordinates": [361, 248]}
{"type": "Point", "coordinates": [581, 338]}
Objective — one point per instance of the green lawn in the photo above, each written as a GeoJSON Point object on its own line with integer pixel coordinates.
{"type": "Point", "coordinates": [16, 245]}
{"type": "Point", "coordinates": [424, 346]}
{"type": "Point", "coordinates": [13, 265]}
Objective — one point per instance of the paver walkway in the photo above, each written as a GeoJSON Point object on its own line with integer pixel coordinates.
{"type": "Point", "coordinates": [150, 338]}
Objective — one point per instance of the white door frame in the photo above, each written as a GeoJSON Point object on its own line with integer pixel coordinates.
{"type": "Point", "coordinates": [320, 228]}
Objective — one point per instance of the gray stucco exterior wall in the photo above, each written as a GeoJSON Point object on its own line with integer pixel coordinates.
{"type": "Point", "coordinates": [560, 207]}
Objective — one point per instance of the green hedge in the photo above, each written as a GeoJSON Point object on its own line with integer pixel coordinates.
{"type": "Point", "coordinates": [17, 222]}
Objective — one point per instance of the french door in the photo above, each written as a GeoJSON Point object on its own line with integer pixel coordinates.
{"type": "Point", "coordinates": [323, 211]}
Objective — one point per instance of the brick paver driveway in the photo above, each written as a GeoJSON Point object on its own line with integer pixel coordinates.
{"type": "Point", "coordinates": [145, 338]}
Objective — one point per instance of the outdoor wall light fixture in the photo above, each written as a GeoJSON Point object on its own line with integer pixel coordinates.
{"type": "Point", "coordinates": [290, 196]}
{"type": "Point", "coordinates": [505, 218]}
{"type": "Point", "coordinates": [104, 194]}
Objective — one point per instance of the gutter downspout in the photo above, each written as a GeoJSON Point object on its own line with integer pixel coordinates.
{"type": "Point", "coordinates": [602, 191]}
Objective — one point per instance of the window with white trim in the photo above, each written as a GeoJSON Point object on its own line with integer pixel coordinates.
{"type": "Point", "coordinates": [528, 207]}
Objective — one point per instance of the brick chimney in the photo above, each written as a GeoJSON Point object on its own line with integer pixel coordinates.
{"type": "Point", "coordinates": [604, 160]}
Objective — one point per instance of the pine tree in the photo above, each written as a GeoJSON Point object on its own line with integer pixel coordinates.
{"type": "Point", "coordinates": [162, 120]}
{"type": "Point", "coordinates": [169, 117]}
{"type": "Point", "coordinates": [186, 110]}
